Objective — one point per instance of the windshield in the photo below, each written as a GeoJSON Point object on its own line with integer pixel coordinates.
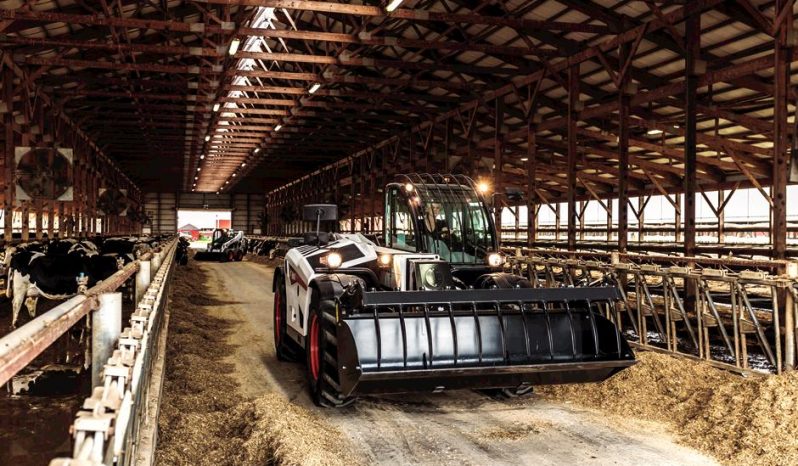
{"type": "Point", "coordinates": [455, 224]}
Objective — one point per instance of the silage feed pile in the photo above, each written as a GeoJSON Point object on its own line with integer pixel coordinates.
{"type": "Point", "coordinates": [738, 420]}
{"type": "Point", "coordinates": [205, 421]}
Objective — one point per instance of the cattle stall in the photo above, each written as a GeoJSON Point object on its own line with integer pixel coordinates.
{"type": "Point", "coordinates": [114, 357]}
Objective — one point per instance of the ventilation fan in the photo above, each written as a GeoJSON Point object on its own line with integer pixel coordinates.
{"type": "Point", "coordinates": [112, 201]}
{"type": "Point", "coordinates": [43, 173]}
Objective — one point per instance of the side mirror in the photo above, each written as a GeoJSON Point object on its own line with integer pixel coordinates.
{"type": "Point", "coordinates": [320, 212]}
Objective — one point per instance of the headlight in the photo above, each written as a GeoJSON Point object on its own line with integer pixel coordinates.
{"type": "Point", "coordinates": [385, 260]}
{"type": "Point", "coordinates": [334, 260]}
{"type": "Point", "coordinates": [495, 259]}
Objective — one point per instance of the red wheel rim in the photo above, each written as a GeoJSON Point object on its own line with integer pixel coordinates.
{"type": "Point", "coordinates": [277, 318]}
{"type": "Point", "coordinates": [314, 348]}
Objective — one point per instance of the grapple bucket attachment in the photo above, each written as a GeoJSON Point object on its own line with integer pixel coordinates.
{"type": "Point", "coordinates": [400, 341]}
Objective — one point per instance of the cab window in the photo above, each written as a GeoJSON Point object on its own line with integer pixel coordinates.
{"type": "Point", "coordinates": [400, 233]}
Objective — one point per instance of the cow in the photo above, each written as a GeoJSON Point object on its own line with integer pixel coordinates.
{"type": "Point", "coordinates": [181, 256]}
{"type": "Point", "coordinates": [54, 275]}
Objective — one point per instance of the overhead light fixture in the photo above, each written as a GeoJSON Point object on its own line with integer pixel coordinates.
{"type": "Point", "coordinates": [393, 5]}
{"type": "Point", "coordinates": [202, 156]}
{"type": "Point", "coordinates": [257, 149]}
{"type": "Point", "coordinates": [234, 46]}
{"type": "Point", "coordinates": [278, 127]}
{"type": "Point", "coordinates": [654, 132]}
{"type": "Point", "coordinates": [314, 88]}
{"type": "Point", "coordinates": [243, 164]}
{"type": "Point", "coordinates": [524, 159]}
{"type": "Point", "coordinates": [207, 138]}
{"type": "Point", "coordinates": [196, 177]}
{"type": "Point", "coordinates": [227, 182]}
{"type": "Point", "coordinates": [216, 106]}
{"type": "Point", "coordinates": [199, 168]}
{"type": "Point", "coordinates": [234, 175]}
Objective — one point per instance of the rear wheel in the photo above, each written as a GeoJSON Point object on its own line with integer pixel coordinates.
{"type": "Point", "coordinates": [283, 346]}
{"type": "Point", "coordinates": [322, 356]}
{"type": "Point", "coordinates": [230, 256]}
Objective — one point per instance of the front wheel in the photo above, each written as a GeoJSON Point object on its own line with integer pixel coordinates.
{"type": "Point", "coordinates": [508, 393]}
{"type": "Point", "coordinates": [322, 357]}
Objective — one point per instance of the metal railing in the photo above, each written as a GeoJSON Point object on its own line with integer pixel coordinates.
{"type": "Point", "coordinates": [735, 313]}
{"type": "Point", "coordinates": [109, 427]}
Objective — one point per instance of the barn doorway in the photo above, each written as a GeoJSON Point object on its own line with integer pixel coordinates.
{"type": "Point", "coordinates": [198, 224]}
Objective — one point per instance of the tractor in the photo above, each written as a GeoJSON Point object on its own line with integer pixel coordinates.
{"type": "Point", "coordinates": [225, 246]}
{"type": "Point", "coordinates": [430, 308]}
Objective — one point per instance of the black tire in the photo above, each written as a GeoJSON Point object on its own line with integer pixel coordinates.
{"type": "Point", "coordinates": [505, 280]}
{"type": "Point", "coordinates": [502, 280]}
{"type": "Point", "coordinates": [322, 356]}
{"type": "Point", "coordinates": [284, 347]}
{"type": "Point", "coordinates": [239, 255]}
{"type": "Point", "coordinates": [508, 393]}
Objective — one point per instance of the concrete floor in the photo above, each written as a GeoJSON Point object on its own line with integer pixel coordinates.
{"type": "Point", "coordinates": [458, 428]}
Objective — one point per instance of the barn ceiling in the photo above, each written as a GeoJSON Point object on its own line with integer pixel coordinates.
{"type": "Point", "coordinates": [247, 95]}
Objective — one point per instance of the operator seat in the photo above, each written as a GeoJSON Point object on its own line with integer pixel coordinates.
{"type": "Point", "coordinates": [322, 239]}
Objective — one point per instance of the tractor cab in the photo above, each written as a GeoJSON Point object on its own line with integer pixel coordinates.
{"type": "Point", "coordinates": [443, 215]}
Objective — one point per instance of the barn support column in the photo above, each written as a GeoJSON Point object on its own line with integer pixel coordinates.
{"type": "Point", "coordinates": [693, 50]}
{"type": "Point", "coordinates": [573, 111]}
{"type": "Point", "coordinates": [498, 162]}
{"type": "Point", "coordinates": [624, 102]}
{"type": "Point", "coordinates": [8, 123]}
{"type": "Point", "coordinates": [531, 184]}
{"type": "Point", "coordinates": [106, 326]}
{"type": "Point", "coordinates": [781, 95]}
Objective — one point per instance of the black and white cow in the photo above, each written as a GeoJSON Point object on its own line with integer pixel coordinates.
{"type": "Point", "coordinates": [54, 275]}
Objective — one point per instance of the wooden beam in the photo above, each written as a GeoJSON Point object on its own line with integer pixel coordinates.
{"type": "Point", "coordinates": [520, 24]}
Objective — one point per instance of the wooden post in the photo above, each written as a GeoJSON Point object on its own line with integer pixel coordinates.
{"type": "Point", "coordinates": [531, 184]}
{"type": "Point", "coordinates": [8, 123]}
{"type": "Point", "coordinates": [573, 113]}
{"type": "Point", "coordinates": [624, 103]}
{"type": "Point", "coordinates": [693, 50]}
{"type": "Point", "coordinates": [781, 94]}
{"type": "Point", "coordinates": [498, 161]}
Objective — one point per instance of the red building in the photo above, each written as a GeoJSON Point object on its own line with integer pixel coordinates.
{"type": "Point", "coordinates": [191, 230]}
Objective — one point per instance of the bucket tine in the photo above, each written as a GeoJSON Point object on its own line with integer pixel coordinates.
{"type": "Point", "coordinates": [379, 337]}
{"type": "Point", "coordinates": [429, 333]}
{"type": "Point", "coordinates": [479, 329]}
{"type": "Point", "coordinates": [521, 307]}
{"type": "Point", "coordinates": [594, 330]}
{"type": "Point", "coordinates": [571, 327]}
{"type": "Point", "coordinates": [454, 332]}
{"type": "Point", "coordinates": [549, 333]}
{"type": "Point", "coordinates": [404, 336]}
{"type": "Point", "coordinates": [503, 332]}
